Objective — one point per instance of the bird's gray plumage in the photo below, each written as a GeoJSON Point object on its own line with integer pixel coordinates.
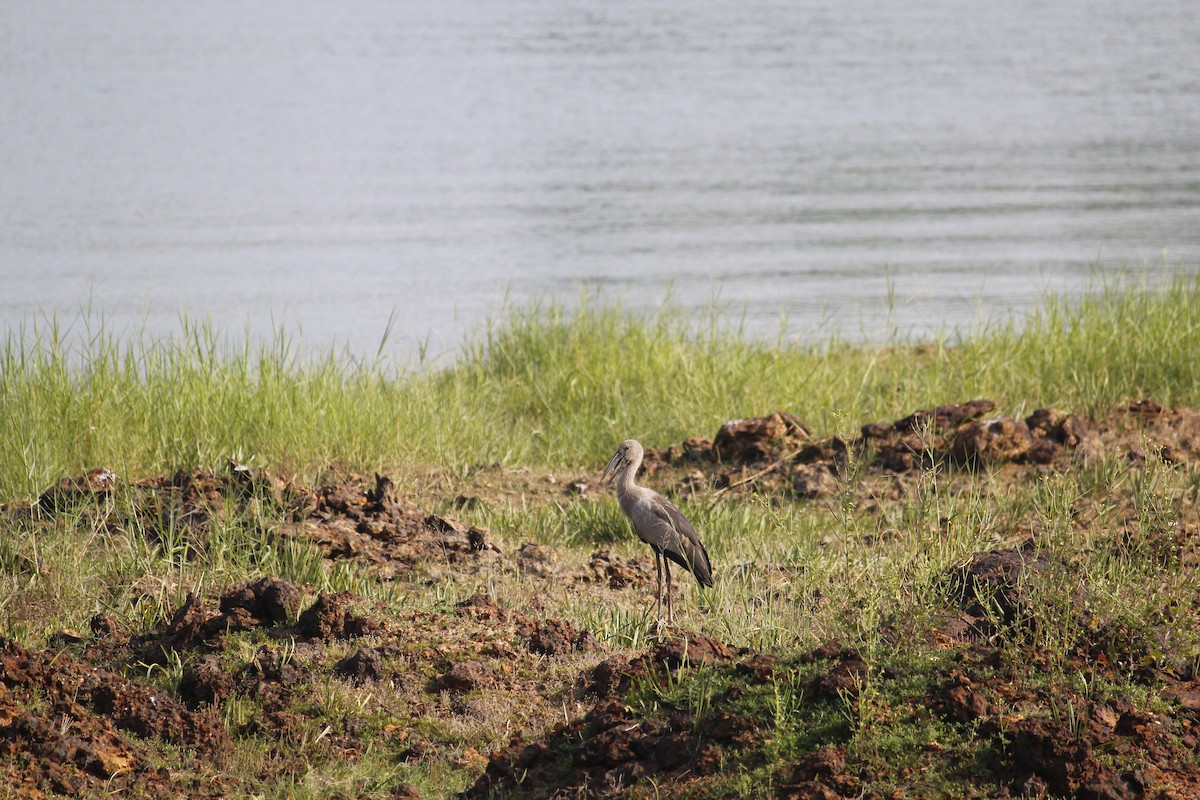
{"type": "Point", "coordinates": [657, 521]}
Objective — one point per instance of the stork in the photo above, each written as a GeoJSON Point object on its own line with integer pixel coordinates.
{"type": "Point", "coordinates": [657, 522]}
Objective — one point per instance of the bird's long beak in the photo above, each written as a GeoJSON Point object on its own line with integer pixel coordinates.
{"type": "Point", "coordinates": [613, 467]}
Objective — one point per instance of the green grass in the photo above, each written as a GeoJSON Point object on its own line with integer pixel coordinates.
{"type": "Point", "coordinates": [548, 387]}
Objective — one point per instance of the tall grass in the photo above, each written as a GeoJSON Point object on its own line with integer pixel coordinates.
{"type": "Point", "coordinates": [549, 387]}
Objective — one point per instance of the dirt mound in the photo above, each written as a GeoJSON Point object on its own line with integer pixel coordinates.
{"type": "Point", "coordinates": [70, 492]}
{"type": "Point", "coordinates": [608, 749]}
{"type": "Point", "coordinates": [71, 728]}
{"type": "Point", "coordinates": [615, 675]}
{"type": "Point", "coordinates": [350, 519]}
{"type": "Point", "coordinates": [264, 603]}
{"type": "Point", "coordinates": [821, 775]}
{"type": "Point", "coordinates": [758, 438]}
{"type": "Point", "coordinates": [1064, 744]}
{"type": "Point", "coordinates": [615, 750]}
{"type": "Point", "coordinates": [372, 526]}
{"type": "Point", "coordinates": [616, 572]}
{"type": "Point", "coordinates": [998, 585]}
{"type": "Point", "coordinates": [546, 637]}
{"type": "Point", "coordinates": [330, 617]}
{"type": "Point", "coordinates": [779, 454]}
{"type": "Point", "coordinates": [964, 435]}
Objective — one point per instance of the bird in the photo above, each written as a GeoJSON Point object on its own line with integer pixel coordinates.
{"type": "Point", "coordinates": [657, 522]}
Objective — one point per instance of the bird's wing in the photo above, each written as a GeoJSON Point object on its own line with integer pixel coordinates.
{"type": "Point", "coordinates": [685, 547]}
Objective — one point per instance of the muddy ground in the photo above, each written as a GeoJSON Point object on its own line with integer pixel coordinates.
{"type": "Point", "coordinates": [81, 715]}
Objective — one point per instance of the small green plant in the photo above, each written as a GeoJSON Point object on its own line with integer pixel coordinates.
{"type": "Point", "coordinates": [166, 675]}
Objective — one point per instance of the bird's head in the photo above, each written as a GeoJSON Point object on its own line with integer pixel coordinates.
{"type": "Point", "coordinates": [630, 452]}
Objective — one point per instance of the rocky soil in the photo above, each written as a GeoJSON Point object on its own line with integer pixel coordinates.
{"type": "Point", "coordinates": [82, 714]}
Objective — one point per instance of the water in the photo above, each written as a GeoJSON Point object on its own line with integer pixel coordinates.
{"type": "Point", "coordinates": [856, 167]}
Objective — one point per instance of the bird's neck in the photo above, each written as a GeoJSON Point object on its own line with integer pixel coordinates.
{"type": "Point", "coordinates": [625, 482]}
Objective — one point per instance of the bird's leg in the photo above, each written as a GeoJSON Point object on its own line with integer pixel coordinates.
{"type": "Point", "coordinates": [658, 559]}
{"type": "Point", "coordinates": [667, 567]}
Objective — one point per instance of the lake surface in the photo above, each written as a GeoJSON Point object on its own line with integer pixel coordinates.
{"type": "Point", "coordinates": [856, 167]}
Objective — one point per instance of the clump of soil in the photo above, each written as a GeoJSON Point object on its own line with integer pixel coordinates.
{"type": "Point", "coordinates": [330, 617]}
{"type": "Point", "coordinates": [265, 603]}
{"type": "Point", "coordinates": [68, 727]}
{"type": "Point", "coordinates": [1094, 747]}
{"type": "Point", "coordinates": [69, 492]}
{"type": "Point", "coordinates": [546, 637]}
{"type": "Point", "coordinates": [616, 572]}
{"type": "Point", "coordinates": [615, 675]}
{"type": "Point", "coordinates": [72, 728]}
{"type": "Point", "coordinates": [821, 774]}
{"type": "Point", "coordinates": [998, 584]}
{"type": "Point", "coordinates": [779, 452]}
{"type": "Point", "coordinates": [609, 749]}
{"type": "Point", "coordinates": [371, 525]}
{"type": "Point", "coordinates": [758, 438]}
